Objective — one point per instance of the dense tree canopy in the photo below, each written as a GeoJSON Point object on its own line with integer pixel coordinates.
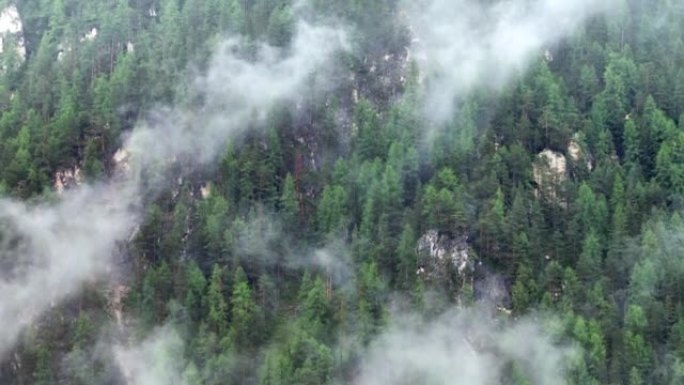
{"type": "Point", "coordinates": [353, 183]}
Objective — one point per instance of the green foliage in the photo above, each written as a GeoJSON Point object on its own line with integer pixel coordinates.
{"type": "Point", "coordinates": [443, 202]}
{"type": "Point", "coordinates": [289, 203]}
{"type": "Point", "coordinates": [243, 312]}
{"type": "Point", "coordinates": [217, 316]}
{"type": "Point", "coordinates": [239, 270]}
{"type": "Point", "coordinates": [331, 209]}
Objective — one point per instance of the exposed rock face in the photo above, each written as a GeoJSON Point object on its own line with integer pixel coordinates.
{"type": "Point", "coordinates": [116, 299]}
{"type": "Point", "coordinates": [550, 171]}
{"type": "Point", "coordinates": [11, 25]}
{"type": "Point", "coordinates": [66, 179]}
{"type": "Point", "coordinates": [122, 161]}
{"type": "Point", "coordinates": [10, 22]}
{"type": "Point", "coordinates": [62, 49]}
{"type": "Point", "coordinates": [205, 190]}
{"type": "Point", "coordinates": [576, 153]}
{"type": "Point", "coordinates": [90, 35]}
{"type": "Point", "coordinates": [440, 254]}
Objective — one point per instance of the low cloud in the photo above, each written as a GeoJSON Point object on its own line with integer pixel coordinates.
{"type": "Point", "coordinates": [236, 94]}
{"type": "Point", "coordinates": [155, 361]}
{"type": "Point", "coordinates": [263, 239]}
{"type": "Point", "coordinates": [50, 250]}
{"type": "Point", "coordinates": [461, 45]}
{"type": "Point", "coordinates": [464, 347]}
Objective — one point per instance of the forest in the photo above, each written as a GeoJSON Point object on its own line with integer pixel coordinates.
{"type": "Point", "coordinates": [367, 192]}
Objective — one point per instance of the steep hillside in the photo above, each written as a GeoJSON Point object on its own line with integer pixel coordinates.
{"type": "Point", "coordinates": [341, 192]}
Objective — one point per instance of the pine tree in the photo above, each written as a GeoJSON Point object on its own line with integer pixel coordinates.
{"type": "Point", "coordinates": [244, 318]}
{"type": "Point", "coordinates": [216, 304]}
{"type": "Point", "coordinates": [289, 204]}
